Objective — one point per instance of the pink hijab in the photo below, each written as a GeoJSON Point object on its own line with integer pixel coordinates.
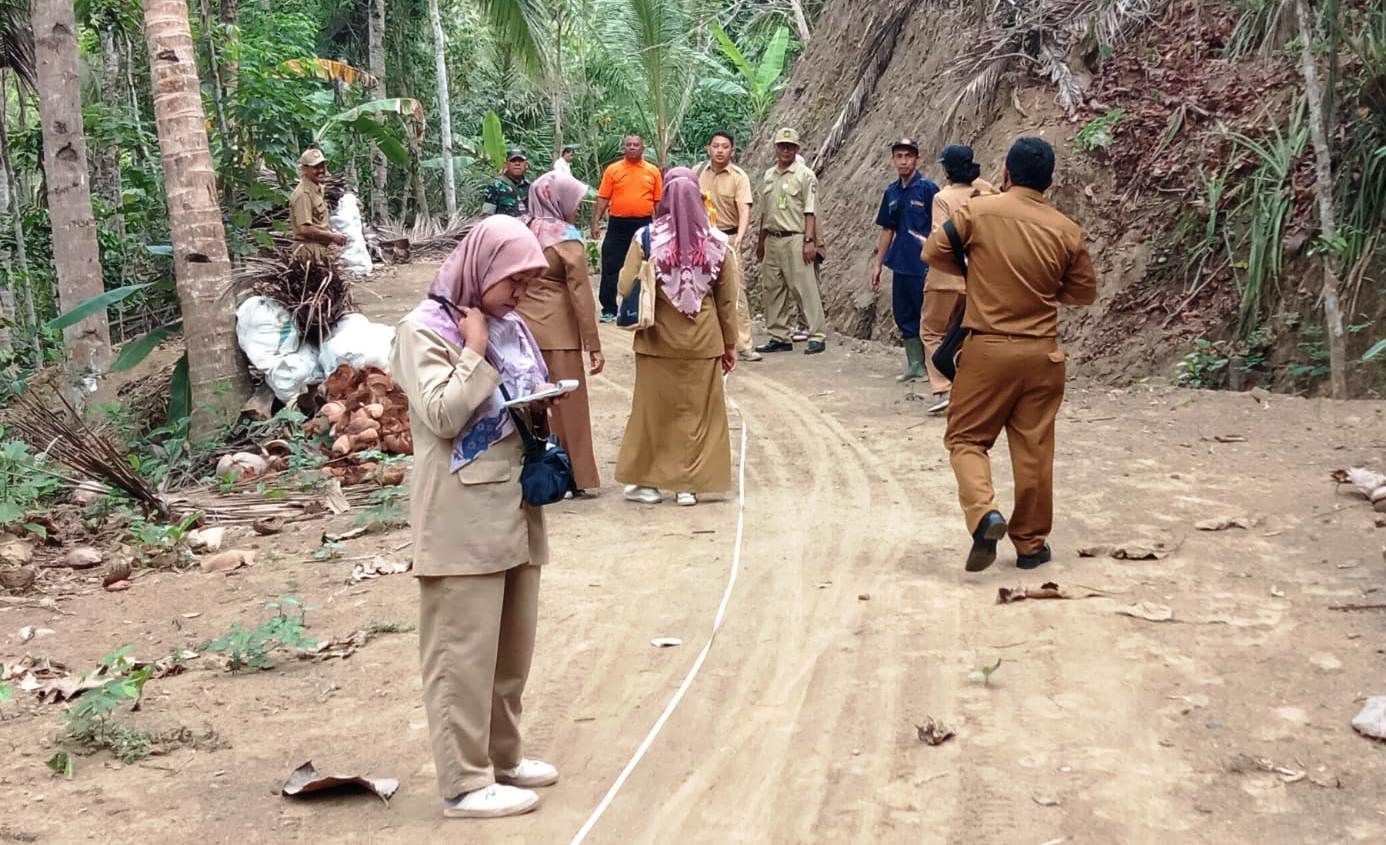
{"type": "Point", "coordinates": [552, 199]}
{"type": "Point", "coordinates": [687, 251]}
{"type": "Point", "coordinates": [497, 248]}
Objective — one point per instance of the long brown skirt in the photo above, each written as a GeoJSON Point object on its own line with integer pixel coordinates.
{"type": "Point", "coordinates": [571, 419]}
{"type": "Point", "coordinates": [677, 438]}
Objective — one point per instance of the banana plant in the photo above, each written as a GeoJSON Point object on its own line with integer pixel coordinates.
{"type": "Point", "coordinates": [758, 84]}
{"type": "Point", "coordinates": [369, 119]}
{"type": "Point", "coordinates": [327, 70]}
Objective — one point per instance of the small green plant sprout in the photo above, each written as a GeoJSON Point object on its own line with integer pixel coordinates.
{"type": "Point", "coordinates": [384, 512]}
{"type": "Point", "coordinates": [1098, 134]}
{"type": "Point", "coordinates": [90, 722]}
{"type": "Point", "coordinates": [6, 690]}
{"type": "Point", "coordinates": [983, 673]}
{"type": "Point", "coordinates": [1203, 367]}
{"type": "Point", "coordinates": [329, 550]}
{"type": "Point", "coordinates": [24, 484]}
{"type": "Point", "coordinates": [61, 764]}
{"type": "Point", "coordinates": [251, 647]}
{"type": "Point", "coordinates": [159, 543]}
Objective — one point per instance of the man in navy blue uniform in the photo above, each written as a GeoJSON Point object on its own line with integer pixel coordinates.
{"type": "Point", "coordinates": [906, 208]}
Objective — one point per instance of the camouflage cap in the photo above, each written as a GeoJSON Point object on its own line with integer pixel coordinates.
{"type": "Point", "coordinates": [312, 157]}
{"type": "Point", "coordinates": [516, 153]}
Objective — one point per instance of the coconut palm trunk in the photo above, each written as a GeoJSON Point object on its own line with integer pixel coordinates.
{"type": "Point", "coordinates": [375, 58]}
{"type": "Point", "coordinates": [108, 185]}
{"type": "Point", "coordinates": [76, 256]}
{"type": "Point", "coordinates": [200, 261]}
{"type": "Point", "coordinates": [440, 46]}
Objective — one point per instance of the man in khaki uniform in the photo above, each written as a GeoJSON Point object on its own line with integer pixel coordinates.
{"type": "Point", "coordinates": [1024, 259]}
{"type": "Point", "coordinates": [313, 234]}
{"type": "Point", "coordinates": [728, 190]}
{"type": "Point", "coordinates": [943, 296]}
{"type": "Point", "coordinates": [786, 247]}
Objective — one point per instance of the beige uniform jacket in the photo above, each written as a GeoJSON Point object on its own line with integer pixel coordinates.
{"type": "Point", "coordinates": [1024, 258]}
{"type": "Point", "coordinates": [787, 195]}
{"type": "Point", "coordinates": [948, 200]}
{"type": "Point", "coordinates": [559, 308]}
{"type": "Point", "coordinates": [474, 521]}
{"type": "Point", "coordinates": [308, 207]}
{"type": "Point", "coordinates": [673, 334]}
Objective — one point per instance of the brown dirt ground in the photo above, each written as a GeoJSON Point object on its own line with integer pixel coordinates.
{"type": "Point", "coordinates": [851, 623]}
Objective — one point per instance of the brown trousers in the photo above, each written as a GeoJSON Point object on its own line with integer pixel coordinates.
{"type": "Point", "coordinates": [940, 309]}
{"type": "Point", "coordinates": [476, 638]}
{"type": "Point", "coordinates": [1015, 384]}
{"type": "Point", "coordinates": [571, 419]}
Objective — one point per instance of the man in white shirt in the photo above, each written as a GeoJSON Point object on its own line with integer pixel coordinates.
{"type": "Point", "coordinates": [564, 163]}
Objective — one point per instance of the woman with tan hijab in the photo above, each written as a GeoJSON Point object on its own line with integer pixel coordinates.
{"type": "Point", "coordinates": [561, 312]}
{"type": "Point", "coordinates": [477, 546]}
{"type": "Point", "coordinates": [677, 437]}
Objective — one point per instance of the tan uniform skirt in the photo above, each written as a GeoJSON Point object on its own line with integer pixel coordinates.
{"type": "Point", "coordinates": [571, 419]}
{"type": "Point", "coordinates": [677, 438]}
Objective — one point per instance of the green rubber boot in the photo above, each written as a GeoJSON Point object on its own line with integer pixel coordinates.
{"type": "Point", "coordinates": [914, 355]}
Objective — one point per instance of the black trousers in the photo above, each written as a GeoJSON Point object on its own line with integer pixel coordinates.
{"type": "Point", "coordinates": [619, 231]}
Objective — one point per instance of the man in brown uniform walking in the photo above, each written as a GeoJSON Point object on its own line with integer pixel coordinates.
{"type": "Point", "coordinates": [1024, 259]}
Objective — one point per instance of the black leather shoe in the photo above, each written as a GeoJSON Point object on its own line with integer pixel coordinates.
{"type": "Point", "coordinates": [989, 530]}
{"type": "Point", "coordinates": [1035, 561]}
{"type": "Point", "coordinates": [775, 346]}
{"type": "Point", "coordinates": [815, 346]}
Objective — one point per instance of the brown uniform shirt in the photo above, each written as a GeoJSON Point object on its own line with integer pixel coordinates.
{"type": "Point", "coordinates": [789, 195]}
{"type": "Point", "coordinates": [559, 308]}
{"type": "Point", "coordinates": [727, 192]}
{"type": "Point", "coordinates": [948, 200]}
{"type": "Point", "coordinates": [1024, 259]}
{"type": "Point", "coordinates": [307, 207]}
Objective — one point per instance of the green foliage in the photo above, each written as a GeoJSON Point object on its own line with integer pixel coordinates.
{"type": "Point", "coordinates": [758, 84]}
{"type": "Point", "coordinates": [24, 485]}
{"type": "Point", "coordinates": [493, 139]}
{"type": "Point", "coordinates": [1375, 350]}
{"type": "Point", "coordinates": [1099, 133]}
{"type": "Point", "coordinates": [251, 647]}
{"type": "Point", "coordinates": [1204, 366]}
{"type": "Point", "coordinates": [93, 305]}
{"type": "Point", "coordinates": [384, 511]}
{"type": "Point", "coordinates": [89, 721]}
{"type": "Point", "coordinates": [153, 536]}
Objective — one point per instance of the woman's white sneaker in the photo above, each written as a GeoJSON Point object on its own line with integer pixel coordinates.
{"type": "Point", "coordinates": [491, 802]}
{"type": "Point", "coordinates": [686, 499]}
{"type": "Point", "coordinates": [644, 495]}
{"type": "Point", "coordinates": [529, 774]}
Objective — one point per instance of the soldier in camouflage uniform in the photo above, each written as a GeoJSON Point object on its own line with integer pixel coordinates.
{"type": "Point", "coordinates": [509, 192]}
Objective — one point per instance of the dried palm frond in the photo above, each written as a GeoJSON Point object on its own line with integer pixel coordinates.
{"type": "Point", "coordinates": [246, 506]}
{"type": "Point", "coordinates": [428, 237]}
{"type": "Point", "coordinates": [316, 295]}
{"type": "Point", "coordinates": [1041, 35]}
{"type": "Point", "coordinates": [63, 436]}
{"type": "Point", "coordinates": [874, 62]}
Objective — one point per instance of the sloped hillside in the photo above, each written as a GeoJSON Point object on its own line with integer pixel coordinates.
{"type": "Point", "coordinates": [1167, 100]}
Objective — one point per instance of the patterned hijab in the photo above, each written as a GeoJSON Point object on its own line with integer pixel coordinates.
{"type": "Point", "coordinates": [552, 200]}
{"type": "Point", "coordinates": [497, 248]}
{"type": "Point", "coordinates": [687, 251]}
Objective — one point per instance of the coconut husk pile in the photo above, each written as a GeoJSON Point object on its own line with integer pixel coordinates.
{"type": "Point", "coordinates": [366, 412]}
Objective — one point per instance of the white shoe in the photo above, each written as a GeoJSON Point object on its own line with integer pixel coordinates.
{"type": "Point", "coordinates": [940, 403]}
{"type": "Point", "coordinates": [686, 499]}
{"type": "Point", "coordinates": [529, 774]}
{"type": "Point", "coordinates": [643, 495]}
{"type": "Point", "coordinates": [491, 802]}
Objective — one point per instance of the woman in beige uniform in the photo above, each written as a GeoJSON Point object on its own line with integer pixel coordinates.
{"type": "Point", "coordinates": [677, 437]}
{"type": "Point", "coordinates": [561, 312]}
{"type": "Point", "coordinates": [477, 546]}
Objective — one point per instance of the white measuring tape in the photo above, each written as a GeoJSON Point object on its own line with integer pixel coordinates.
{"type": "Point", "coordinates": [673, 704]}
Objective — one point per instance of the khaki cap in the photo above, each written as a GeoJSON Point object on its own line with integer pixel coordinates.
{"type": "Point", "coordinates": [311, 157]}
{"type": "Point", "coordinates": [787, 136]}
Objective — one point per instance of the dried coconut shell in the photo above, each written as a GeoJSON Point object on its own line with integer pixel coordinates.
{"type": "Point", "coordinates": [333, 411]}
{"type": "Point", "coordinates": [366, 439]}
{"type": "Point", "coordinates": [375, 410]}
{"type": "Point", "coordinates": [392, 476]}
{"type": "Point", "coordinates": [119, 570]}
{"type": "Point", "coordinates": [398, 444]}
{"type": "Point", "coordinates": [342, 445]}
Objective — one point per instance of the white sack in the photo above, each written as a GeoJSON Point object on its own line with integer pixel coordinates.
{"type": "Point", "coordinates": [265, 331]}
{"type": "Point", "coordinates": [347, 220]}
{"type": "Point", "coordinates": [291, 374]}
{"type": "Point", "coordinates": [355, 340]}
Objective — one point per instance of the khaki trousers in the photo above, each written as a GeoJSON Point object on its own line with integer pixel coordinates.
{"type": "Point", "coordinates": [571, 419]}
{"type": "Point", "coordinates": [1015, 384]}
{"type": "Point", "coordinates": [940, 309]}
{"type": "Point", "coordinates": [476, 638]}
{"type": "Point", "coordinates": [784, 275]}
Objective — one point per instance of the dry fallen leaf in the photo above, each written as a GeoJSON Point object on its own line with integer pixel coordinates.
{"type": "Point", "coordinates": [81, 557]}
{"type": "Point", "coordinates": [118, 586]}
{"type": "Point", "coordinates": [378, 566]}
{"type": "Point", "coordinates": [206, 539]}
{"type": "Point", "coordinates": [306, 779]}
{"type": "Point", "coordinates": [933, 732]}
{"type": "Point", "coordinates": [228, 560]}
{"type": "Point", "coordinates": [1149, 611]}
{"type": "Point", "coordinates": [1131, 550]}
{"type": "Point", "coordinates": [1223, 523]}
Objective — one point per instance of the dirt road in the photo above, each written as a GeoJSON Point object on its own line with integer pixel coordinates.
{"type": "Point", "coordinates": [852, 622]}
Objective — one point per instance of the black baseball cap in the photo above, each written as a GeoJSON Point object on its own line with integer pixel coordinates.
{"type": "Point", "coordinates": [516, 152]}
{"type": "Point", "coordinates": [955, 156]}
{"type": "Point", "coordinates": [570, 148]}
{"type": "Point", "coordinates": [905, 144]}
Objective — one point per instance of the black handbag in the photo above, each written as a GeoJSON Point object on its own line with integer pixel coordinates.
{"type": "Point", "coordinates": [945, 357]}
{"type": "Point", "coordinates": [546, 475]}
{"type": "Point", "coordinates": [628, 312]}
